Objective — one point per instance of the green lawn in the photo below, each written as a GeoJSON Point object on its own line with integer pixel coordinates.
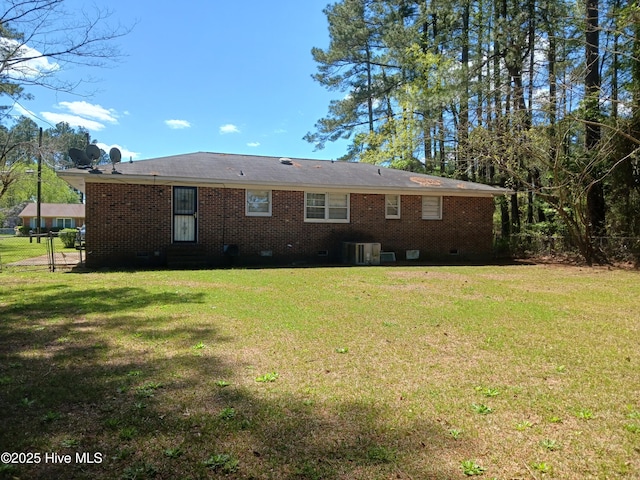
{"type": "Point", "coordinates": [14, 249]}
{"type": "Point", "coordinates": [510, 372]}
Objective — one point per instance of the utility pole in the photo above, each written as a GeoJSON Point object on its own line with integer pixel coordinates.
{"type": "Point", "coordinates": [39, 189]}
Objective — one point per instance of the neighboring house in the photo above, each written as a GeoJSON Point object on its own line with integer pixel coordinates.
{"type": "Point", "coordinates": [53, 215]}
{"type": "Point", "coordinates": [220, 209]}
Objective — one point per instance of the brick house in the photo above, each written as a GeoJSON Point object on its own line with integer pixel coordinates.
{"type": "Point", "coordinates": [218, 209]}
{"type": "Point", "coordinates": [53, 215]}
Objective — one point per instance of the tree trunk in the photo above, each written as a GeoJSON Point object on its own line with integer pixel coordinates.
{"type": "Point", "coordinates": [463, 127]}
{"type": "Point", "coordinates": [596, 206]}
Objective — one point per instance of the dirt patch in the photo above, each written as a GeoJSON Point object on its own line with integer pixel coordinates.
{"type": "Point", "coordinates": [61, 259]}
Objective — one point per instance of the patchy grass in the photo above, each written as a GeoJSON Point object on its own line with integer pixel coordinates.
{"type": "Point", "coordinates": [154, 373]}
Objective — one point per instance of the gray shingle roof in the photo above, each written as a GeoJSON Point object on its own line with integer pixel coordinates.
{"type": "Point", "coordinates": [275, 172]}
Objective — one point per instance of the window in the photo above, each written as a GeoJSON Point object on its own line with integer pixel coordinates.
{"type": "Point", "coordinates": [326, 207]}
{"type": "Point", "coordinates": [431, 208]}
{"type": "Point", "coordinates": [64, 223]}
{"type": "Point", "coordinates": [392, 206]}
{"type": "Point", "coordinates": [33, 223]}
{"type": "Point", "coordinates": [258, 203]}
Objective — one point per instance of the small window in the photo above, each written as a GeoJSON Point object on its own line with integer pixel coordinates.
{"type": "Point", "coordinates": [258, 203]}
{"type": "Point", "coordinates": [326, 207]}
{"type": "Point", "coordinates": [431, 208]}
{"type": "Point", "coordinates": [392, 206]}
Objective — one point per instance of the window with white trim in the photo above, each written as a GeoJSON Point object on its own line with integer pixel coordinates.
{"type": "Point", "coordinates": [326, 207]}
{"type": "Point", "coordinates": [392, 206]}
{"type": "Point", "coordinates": [432, 208]}
{"type": "Point", "coordinates": [64, 223]}
{"type": "Point", "coordinates": [258, 203]}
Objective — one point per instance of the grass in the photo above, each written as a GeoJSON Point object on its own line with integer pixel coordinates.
{"type": "Point", "coordinates": [425, 344]}
{"type": "Point", "coordinates": [14, 249]}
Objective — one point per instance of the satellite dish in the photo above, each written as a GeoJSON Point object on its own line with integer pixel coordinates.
{"type": "Point", "coordinates": [80, 158]}
{"type": "Point", "coordinates": [93, 152]}
{"type": "Point", "coordinates": [115, 155]}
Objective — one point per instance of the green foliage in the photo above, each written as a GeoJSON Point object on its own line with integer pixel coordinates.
{"type": "Point", "coordinates": [222, 462]}
{"type": "Point", "coordinates": [488, 392]}
{"type": "Point", "coordinates": [584, 414]}
{"type": "Point", "coordinates": [139, 471]}
{"type": "Point", "coordinates": [227, 413]}
{"type": "Point", "coordinates": [267, 377]}
{"type": "Point", "coordinates": [381, 454]}
{"type": "Point", "coordinates": [431, 96]}
{"type": "Point", "coordinates": [481, 408]}
{"type": "Point", "coordinates": [18, 162]}
{"type": "Point", "coordinates": [173, 452]}
{"type": "Point", "coordinates": [127, 433]}
{"type": "Point", "coordinates": [471, 468]}
{"type": "Point", "coordinates": [68, 237]}
{"type": "Point", "coordinates": [632, 427]}
{"type": "Point", "coordinates": [147, 390]}
{"type": "Point", "coordinates": [70, 443]}
{"type": "Point", "coordinates": [50, 417]}
{"type": "Point", "coordinates": [550, 445]}
{"type": "Point", "coordinates": [542, 467]}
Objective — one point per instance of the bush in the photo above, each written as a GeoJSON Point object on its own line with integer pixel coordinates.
{"type": "Point", "coordinates": [22, 231]}
{"type": "Point", "coordinates": [68, 237]}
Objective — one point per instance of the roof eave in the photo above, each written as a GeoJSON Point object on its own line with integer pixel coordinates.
{"type": "Point", "coordinates": [79, 180]}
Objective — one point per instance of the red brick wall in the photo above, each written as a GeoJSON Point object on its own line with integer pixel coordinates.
{"type": "Point", "coordinates": [132, 223]}
{"type": "Point", "coordinates": [48, 221]}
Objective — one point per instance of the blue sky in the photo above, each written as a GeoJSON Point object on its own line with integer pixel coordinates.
{"type": "Point", "coordinates": [202, 75]}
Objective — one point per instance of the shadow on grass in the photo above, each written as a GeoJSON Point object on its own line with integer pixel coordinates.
{"type": "Point", "coordinates": [143, 398]}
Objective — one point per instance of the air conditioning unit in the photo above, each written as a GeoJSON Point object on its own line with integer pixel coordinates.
{"type": "Point", "coordinates": [355, 253]}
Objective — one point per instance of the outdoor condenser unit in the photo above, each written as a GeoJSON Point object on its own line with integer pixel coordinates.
{"type": "Point", "coordinates": [361, 253]}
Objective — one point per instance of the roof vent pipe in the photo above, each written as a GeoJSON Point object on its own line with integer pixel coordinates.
{"type": "Point", "coordinates": [286, 161]}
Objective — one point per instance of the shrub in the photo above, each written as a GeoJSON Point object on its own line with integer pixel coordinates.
{"type": "Point", "coordinates": [22, 230]}
{"type": "Point", "coordinates": [68, 237]}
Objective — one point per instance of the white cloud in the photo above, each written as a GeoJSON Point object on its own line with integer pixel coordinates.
{"type": "Point", "coordinates": [82, 114]}
{"type": "Point", "coordinates": [280, 131]}
{"type": "Point", "coordinates": [177, 124]}
{"type": "Point", "coordinates": [253, 144]}
{"type": "Point", "coordinates": [85, 109]}
{"type": "Point", "coordinates": [229, 128]}
{"type": "Point", "coordinates": [72, 120]}
{"type": "Point", "coordinates": [126, 154]}
{"type": "Point", "coordinates": [25, 69]}
{"type": "Point", "coordinates": [25, 112]}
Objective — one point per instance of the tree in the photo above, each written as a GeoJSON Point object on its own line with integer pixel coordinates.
{"type": "Point", "coordinates": [19, 150]}
{"type": "Point", "coordinates": [38, 41]}
{"type": "Point", "coordinates": [355, 64]}
{"type": "Point", "coordinates": [536, 95]}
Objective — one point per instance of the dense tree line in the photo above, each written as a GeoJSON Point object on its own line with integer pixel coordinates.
{"type": "Point", "coordinates": [540, 96]}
